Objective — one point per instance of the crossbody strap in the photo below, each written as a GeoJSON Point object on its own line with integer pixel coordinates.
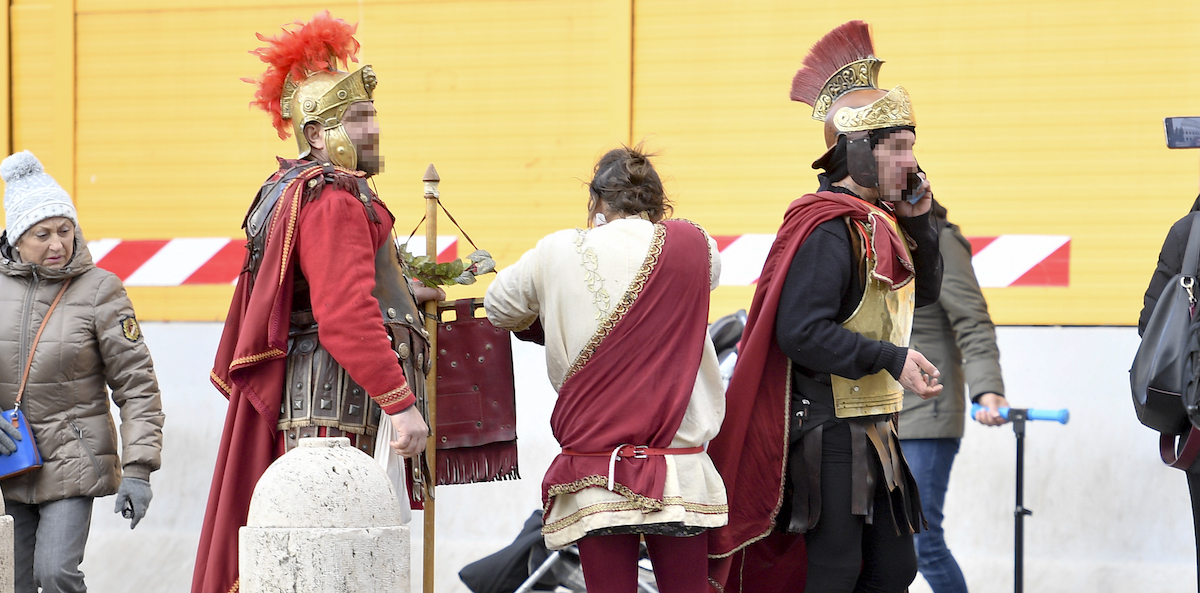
{"type": "Point", "coordinates": [1191, 254]}
{"type": "Point", "coordinates": [36, 338]}
{"type": "Point", "coordinates": [1179, 456]}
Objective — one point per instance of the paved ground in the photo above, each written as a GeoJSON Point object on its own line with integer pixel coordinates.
{"type": "Point", "coordinates": [1108, 516]}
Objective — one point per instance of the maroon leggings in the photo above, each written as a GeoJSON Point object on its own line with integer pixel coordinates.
{"type": "Point", "coordinates": [610, 562]}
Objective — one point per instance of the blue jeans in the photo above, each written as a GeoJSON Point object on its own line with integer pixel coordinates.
{"type": "Point", "coordinates": [930, 461]}
{"type": "Point", "coordinates": [49, 542]}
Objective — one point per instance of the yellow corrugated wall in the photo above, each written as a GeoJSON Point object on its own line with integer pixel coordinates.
{"type": "Point", "coordinates": [1034, 118]}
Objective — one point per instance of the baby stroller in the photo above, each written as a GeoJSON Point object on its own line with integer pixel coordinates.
{"type": "Point", "coordinates": [526, 565]}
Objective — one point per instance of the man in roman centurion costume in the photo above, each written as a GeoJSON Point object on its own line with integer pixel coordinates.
{"type": "Point", "coordinates": [820, 496]}
{"type": "Point", "coordinates": [323, 333]}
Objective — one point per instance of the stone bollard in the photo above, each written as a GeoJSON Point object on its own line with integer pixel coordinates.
{"type": "Point", "coordinates": [324, 519]}
{"type": "Point", "coordinates": [7, 576]}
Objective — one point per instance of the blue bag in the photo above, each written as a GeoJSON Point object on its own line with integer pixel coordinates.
{"type": "Point", "coordinates": [27, 457]}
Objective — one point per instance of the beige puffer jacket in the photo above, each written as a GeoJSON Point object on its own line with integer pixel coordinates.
{"type": "Point", "coordinates": [90, 341]}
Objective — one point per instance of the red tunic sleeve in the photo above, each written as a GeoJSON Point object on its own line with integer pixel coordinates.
{"type": "Point", "coordinates": [336, 249]}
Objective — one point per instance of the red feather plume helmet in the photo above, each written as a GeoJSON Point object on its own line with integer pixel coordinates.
{"type": "Point", "coordinates": [849, 43]}
{"type": "Point", "coordinates": [836, 70]}
{"type": "Point", "coordinates": [315, 46]}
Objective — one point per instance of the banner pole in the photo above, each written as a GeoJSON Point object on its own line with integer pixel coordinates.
{"type": "Point", "coordinates": [431, 180]}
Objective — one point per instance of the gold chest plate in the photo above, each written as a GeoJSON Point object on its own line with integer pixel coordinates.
{"type": "Point", "coordinates": [885, 315]}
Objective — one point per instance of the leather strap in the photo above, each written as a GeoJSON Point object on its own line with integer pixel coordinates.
{"type": "Point", "coordinates": [637, 452]}
{"type": "Point", "coordinates": [632, 452]}
{"type": "Point", "coordinates": [1187, 452]}
{"type": "Point", "coordinates": [33, 348]}
{"type": "Point", "coordinates": [1191, 254]}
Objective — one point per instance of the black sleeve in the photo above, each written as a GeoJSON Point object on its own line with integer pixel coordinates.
{"type": "Point", "coordinates": [927, 258]}
{"type": "Point", "coordinates": [1170, 260]}
{"type": "Point", "coordinates": [817, 297]}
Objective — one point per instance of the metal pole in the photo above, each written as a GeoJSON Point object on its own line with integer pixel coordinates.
{"type": "Point", "coordinates": [547, 564]}
{"type": "Point", "coordinates": [1017, 417]}
{"type": "Point", "coordinates": [431, 180]}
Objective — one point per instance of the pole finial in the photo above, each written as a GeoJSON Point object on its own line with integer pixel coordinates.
{"type": "Point", "coordinates": [431, 174]}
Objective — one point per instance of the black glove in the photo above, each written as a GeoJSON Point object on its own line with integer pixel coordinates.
{"type": "Point", "coordinates": [132, 499]}
{"type": "Point", "coordinates": [9, 435]}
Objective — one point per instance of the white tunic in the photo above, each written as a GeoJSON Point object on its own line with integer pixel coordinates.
{"type": "Point", "coordinates": [573, 279]}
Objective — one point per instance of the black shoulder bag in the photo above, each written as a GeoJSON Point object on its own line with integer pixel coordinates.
{"type": "Point", "coordinates": [1159, 377]}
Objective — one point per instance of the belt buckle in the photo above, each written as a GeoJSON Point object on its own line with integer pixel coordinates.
{"type": "Point", "coordinates": [639, 452]}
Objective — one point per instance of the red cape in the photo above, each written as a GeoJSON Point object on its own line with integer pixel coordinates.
{"type": "Point", "coordinates": [751, 450]}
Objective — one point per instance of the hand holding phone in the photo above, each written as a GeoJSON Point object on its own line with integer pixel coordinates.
{"type": "Point", "coordinates": [916, 198]}
{"type": "Point", "coordinates": [913, 191]}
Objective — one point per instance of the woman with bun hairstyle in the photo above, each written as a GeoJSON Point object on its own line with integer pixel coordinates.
{"type": "Point", "coordinates": [91, 340]}
{"type": "Point", "coordinates": [622, 308]}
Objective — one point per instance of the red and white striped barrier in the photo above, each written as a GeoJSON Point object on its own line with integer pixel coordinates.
{"type": "Point", "coordinates": [1006, 260]}
{"type": "Point", "coordinates": [199, 260]}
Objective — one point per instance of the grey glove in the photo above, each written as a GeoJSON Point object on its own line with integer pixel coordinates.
{"type": "Point", "coordinates": [132, 499]}
{"type": "Point", "coordinates": [9, 435]}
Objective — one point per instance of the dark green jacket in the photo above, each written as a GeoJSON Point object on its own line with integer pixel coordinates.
{"type": "Point", "coordinates": [956, 334]}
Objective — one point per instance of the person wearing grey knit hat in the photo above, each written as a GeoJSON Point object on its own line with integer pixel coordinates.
{"type": "Point", "coordinates": [31, 195]}
{"type": "Point", "coordinates": [92, 343]}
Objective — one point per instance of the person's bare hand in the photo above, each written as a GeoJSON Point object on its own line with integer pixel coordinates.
{"type": "Point", "coordinates": [426, 293]}
{"type": "Point", "coordinates": [992, 402]}
{"type": "Point", "coordinates": [907, 210]}
{"type": "Point", "coordinates": [920, 376]}
{"type": "Point", "coordinates": [411, 433]}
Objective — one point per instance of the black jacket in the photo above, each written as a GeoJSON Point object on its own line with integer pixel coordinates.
{"type": "Point", "coordinates": [821, 291]}
{"type": "Point", "coordinates": [1170, 259]}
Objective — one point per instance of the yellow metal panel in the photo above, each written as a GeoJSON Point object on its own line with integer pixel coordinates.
{"type": "Point", "coordinates": [1034, 117]}
{"type": "Point", "coordinates": [5, 75]}
{"type": "Point", "coordinates": [513, 102]}
{"type": "Point", "coordinates": [43, 84]}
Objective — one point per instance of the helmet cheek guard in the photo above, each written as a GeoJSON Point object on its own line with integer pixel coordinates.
{"type": "Point", "coordinates": [860, 159]}
{"type": "Point", "coordinates": [339, 148]}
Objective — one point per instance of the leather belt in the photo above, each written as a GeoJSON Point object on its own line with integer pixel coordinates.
{"type": "Point", "coordinates": [633, 452]}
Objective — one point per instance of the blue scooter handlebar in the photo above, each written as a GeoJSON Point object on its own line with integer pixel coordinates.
{"type": "Point", "coordinates": [1059, 416]}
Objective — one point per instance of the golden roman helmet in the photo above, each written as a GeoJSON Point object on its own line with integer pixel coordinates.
{"type": "Point", "coordinates": [302, 83]}
{"type": "Point", "coordinates": [840, 79]}
{"type": "Point", "coordinates": [323, 97]}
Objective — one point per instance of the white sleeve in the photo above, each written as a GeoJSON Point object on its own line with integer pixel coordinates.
{"type": "Point", "coordinates": [715, 258]}
{"type": "Point", "coordinates": [512, 300]}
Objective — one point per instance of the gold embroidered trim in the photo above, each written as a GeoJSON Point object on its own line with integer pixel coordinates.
{"type": "Point", "coordinates": [624, 506]}
{"type": "Point", "coordinates": [627, 300]}
{"type": "Point", "coordinates": [592, 277]}
{"type": "Point", "coordinates": [287, 238]}
{"type": "Point", "coordinates": [257, 357]}
{"type": "Point", "coordinates": [643, 502]}
{"type": "Point", "coordinates": [223, 385]}
{"type": "Point", "coordinates": [236, 585]}
{"type": "Point", "coordinates": [393, 397]}
{"type": "Point", "coordinates": [787, 411]}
